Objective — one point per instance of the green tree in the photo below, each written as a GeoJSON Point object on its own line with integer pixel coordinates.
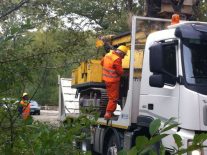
{"type": "Point", "coordinates": [65, 51]}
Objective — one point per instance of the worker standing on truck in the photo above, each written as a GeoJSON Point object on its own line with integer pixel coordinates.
{"type": "Point", "coordinates": [112, 71]}
{"type": "Point", "coordinates": [25, 106]}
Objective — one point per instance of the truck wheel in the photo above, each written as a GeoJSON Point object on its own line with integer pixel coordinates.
{"type": "Point", "coordinates": [113, 146]}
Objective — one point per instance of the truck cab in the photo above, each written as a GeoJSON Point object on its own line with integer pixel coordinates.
{"type": "Point", "coordinates": [174, 77]}
{"type": "Point", "coordinates": [175, 71]}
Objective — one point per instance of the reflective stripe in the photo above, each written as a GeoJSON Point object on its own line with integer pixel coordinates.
{"type": "Point", "coordinates": [111, 76]}
{"type": "Point", "coordinates": [109, 70]}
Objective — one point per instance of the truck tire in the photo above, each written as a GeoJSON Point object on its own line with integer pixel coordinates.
{"type": "Point", "coordinates": [113, 146]}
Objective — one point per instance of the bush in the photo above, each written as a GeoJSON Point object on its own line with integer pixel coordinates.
{"type": "Point", "coordinates": [29, 137]}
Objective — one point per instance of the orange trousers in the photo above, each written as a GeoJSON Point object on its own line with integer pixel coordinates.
{"type": "Point", "coordinates": [112, 89]}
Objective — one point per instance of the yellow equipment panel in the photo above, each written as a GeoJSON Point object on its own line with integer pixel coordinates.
{"type": "Point", "coordinates": [125, 39]}
{"type": "Point", "coordinates": [81, 73]}
{"type": "Point", "coordinates": [90, 71]}
{"type": "Point", "coordinates": [94, 71]}
{"type": "Point", "coordinates": [138, 60]}
{"type": "Point", "coordinates": [137, 63]}
{"type": "Point", "coordinates": [74, 76]}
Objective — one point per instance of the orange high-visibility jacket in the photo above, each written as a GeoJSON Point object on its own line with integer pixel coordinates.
{"type": "Point", "coordinates": [26, 109]}
{"type": "Point", "coordinates": [110, 72]}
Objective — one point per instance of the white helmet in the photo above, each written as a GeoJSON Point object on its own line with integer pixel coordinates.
{"type": "Point", "coordinates": [24, 94]}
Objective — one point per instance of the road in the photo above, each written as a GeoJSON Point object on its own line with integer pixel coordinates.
{"type": "Point", "coordinates": [48, 116]}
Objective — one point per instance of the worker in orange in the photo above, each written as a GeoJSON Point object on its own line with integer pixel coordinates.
{"type": "Point", "coordinates": [112, 71]}
{"type": "Point", "coordinates": [24, 103]}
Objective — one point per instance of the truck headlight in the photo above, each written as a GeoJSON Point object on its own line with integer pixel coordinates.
{"type": "Point", "coordinates": [195, 152]}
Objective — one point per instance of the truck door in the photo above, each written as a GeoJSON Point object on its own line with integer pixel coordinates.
{"type": "Point", "coordinates": [161, 101]}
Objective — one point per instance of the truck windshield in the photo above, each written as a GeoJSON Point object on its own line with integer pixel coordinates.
{"type": "Point", "coordinates": [195, 61]}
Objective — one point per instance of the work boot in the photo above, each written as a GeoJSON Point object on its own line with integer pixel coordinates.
{"type": "Point", "coordinates": [108, 115]}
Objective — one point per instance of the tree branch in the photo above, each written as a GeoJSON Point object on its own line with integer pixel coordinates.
{"type": "Point", "coordinates": [16, 7]}
{"type": "Point", "coordinates": [32, 56]}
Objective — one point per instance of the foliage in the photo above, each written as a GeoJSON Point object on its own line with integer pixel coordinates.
{"type": "Point", "coordinates": [158, 131]}
{"type": "Point", "coordinates": [28, 59]}
{"type": "Point", "coordinates": [62, 50]}
{"type": "Point", "coordinates": [201, 11]}
{"type": "Point", "coordinates": [14, 64]}
{"type": "Point", "coordinates": [108, 15]}
{"type": "Point", "coordinates": [28, 137]}
{"type": "Point", "coordinates": [10, 124]}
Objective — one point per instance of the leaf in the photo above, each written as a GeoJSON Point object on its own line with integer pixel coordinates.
{"type": "Point", "coordinates": [28, 21]}
{"type": "Point", "coordinates": [199, 138]}
{"type": "Point", "coordinates": [33, 126]}
{"type": "Point", "coordinates": [162, 150]}
{"type": "Point", "coordinates": [171, 120]}
{"type": "Point", "coordinates": [146, 150]}
{"type": "Point", "coordinates": [133, 151]}
{"type": "Point", "coordinates": [157, 138]}
{"type": "Point", "coordinates": [141, 142]}
{"type": "Point", "coordinates": [178, 140]}
{"type": "Point", "coordinates": [152, 152]}
{"type": "Point", "coordinates": [14, 30]}
{"type": "Point", "coordinates": [154, 126]}
{"type": "Point", "coordinates": [169, 127]}
{"type": "Point", "coordinates": [189, 149]}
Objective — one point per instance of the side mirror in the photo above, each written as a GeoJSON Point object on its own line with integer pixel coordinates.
{"type": "Point", "coordinates": [156, 80]}
{"type": "Point", "coordinates": [156, 58]}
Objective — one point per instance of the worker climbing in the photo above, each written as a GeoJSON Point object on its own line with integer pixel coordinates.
{"type": "Point", "coordinates": [25, 106]}
{"type": "Point", "coordinates": [112, 71]}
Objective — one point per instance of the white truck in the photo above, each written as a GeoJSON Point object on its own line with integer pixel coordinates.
{"type": "Point", "coordinates": [173, 84]}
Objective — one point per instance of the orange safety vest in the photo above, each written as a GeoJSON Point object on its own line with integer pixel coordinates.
{"type": "Point", "coordinates": [109, 73]}
{"type": "Point", "coordinates": [26, 109]}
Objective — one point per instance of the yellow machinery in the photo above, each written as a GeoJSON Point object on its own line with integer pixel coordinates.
{"type": "Point", "coordinates": [87, 77]}
{"type": "Point", "coordinates": [91, 70]}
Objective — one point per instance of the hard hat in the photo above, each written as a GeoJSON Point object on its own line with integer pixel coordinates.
{"type": "Point", "coordinates": [24, 94]}
{"type": "Point", "coordinates": [123, 48]}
